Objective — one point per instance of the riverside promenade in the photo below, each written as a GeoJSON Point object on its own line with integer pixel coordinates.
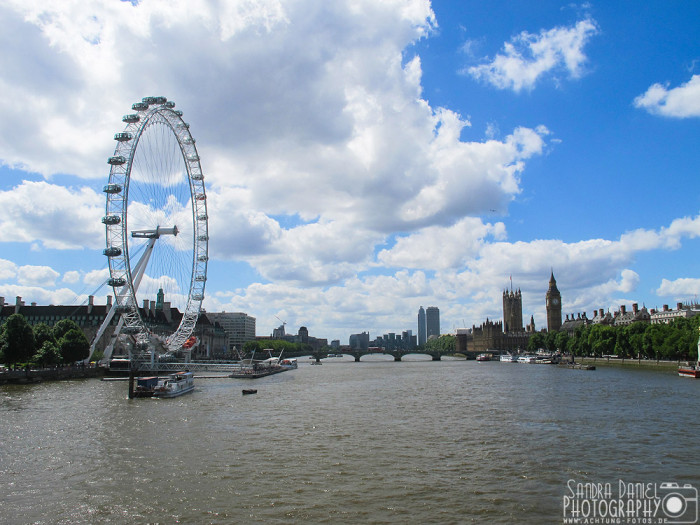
{"type": "Point", "coordinates": [37, 375]}
{"type": "Point", "coordinates": [645, 364]}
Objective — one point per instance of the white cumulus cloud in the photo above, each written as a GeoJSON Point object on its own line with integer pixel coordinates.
{"type": "Point", "coordinates": [37, 276]}
{"type": "Point", "coordinates": [679, 102]}
{"type": "Point", "coordinates": [528, 57]}
{"type": "Point", "coordinates": [57, 216]}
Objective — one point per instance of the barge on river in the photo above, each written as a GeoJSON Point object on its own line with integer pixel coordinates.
{"type": "Point", "coordinates": [256, 369]}
{"type": "Point", "coordinates": [172, 386]}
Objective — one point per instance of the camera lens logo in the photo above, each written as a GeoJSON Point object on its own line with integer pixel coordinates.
{"type": "Point", "coordinates": [679, 504]}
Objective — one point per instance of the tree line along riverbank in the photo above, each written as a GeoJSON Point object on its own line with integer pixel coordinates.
{"type": "Point", "coordinates": [41, 346]}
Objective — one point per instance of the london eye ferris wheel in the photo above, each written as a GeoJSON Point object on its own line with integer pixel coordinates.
{"type": "Point", "coordinates": [156, 225]}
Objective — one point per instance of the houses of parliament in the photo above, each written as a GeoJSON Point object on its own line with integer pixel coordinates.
{"type": "Point", "coordinates": [510, 335]}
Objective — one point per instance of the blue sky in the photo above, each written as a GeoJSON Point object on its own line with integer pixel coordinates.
{"type": "Point", "coordinates": [365, 158]}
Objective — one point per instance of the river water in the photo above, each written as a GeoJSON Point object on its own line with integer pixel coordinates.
{"type": "Point", "coordinates": [369, 442]}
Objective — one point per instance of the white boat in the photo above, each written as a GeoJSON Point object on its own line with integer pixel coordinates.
{"type": "Point", "coordinates": [289, 364]}
{"type": "Point", "coordinates": [175, 385]}
{"type": "Point", "coordinates": [509, 358]}
{"type": "Point", "coordinates": [527, 359]}
{"type": "Point", "coordinates": [483, 357]}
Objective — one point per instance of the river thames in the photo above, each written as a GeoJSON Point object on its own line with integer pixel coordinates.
{"type": "Point", "coordinates": [369, 442]}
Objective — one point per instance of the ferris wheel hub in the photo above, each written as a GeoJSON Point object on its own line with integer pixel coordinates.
{"type": "Point", "coordinates": [154, 234]}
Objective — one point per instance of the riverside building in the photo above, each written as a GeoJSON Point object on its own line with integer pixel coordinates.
{"type": "Point", "coordinates": [421, 327]}
{"type": "Point", "coordinates": [432, 322]}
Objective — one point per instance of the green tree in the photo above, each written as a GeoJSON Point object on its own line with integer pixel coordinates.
{"type": "Point", "coordinates": [579, 342]}
{"type": "Point", "coordinates": [43, 333]}
{"type": "Point", "coordinates": [48, 354]}
{"type": "Point", "coordinates": [62, 327]}
{"type": "Point", "coordinates": [536, 341]}
{"type": "Point", "coordinates": [73, 346]}
{"type": "Point", "coordinates": [656, 336]}
{"type": "Point", "coordinates": [550, 341]}
{"type": "Point", "coordinates": [562, 341]}
{"type": "Point", "coordinates": [16, 340]}
{"type": "Point", "coordinates": [444, 344]}
{"type": "Point", "coordinates": [623, 347]}
{"type": "Point", "coordinates": [602, 339]}
{"type": "Point", "coordinates": [636, 338]}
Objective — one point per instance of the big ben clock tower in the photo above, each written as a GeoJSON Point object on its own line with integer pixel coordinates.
{"type": "Point", "coordinates": [553, 306]}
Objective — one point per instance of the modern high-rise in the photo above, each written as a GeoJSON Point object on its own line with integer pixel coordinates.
{"type": "Point", "coordinates": [359, 341]}
{"type": "Point", "coordinates": [239, 327]}
{"type": "Point", "coordinates": [421, 327]}
{"type": "Point", "coordinates": [432, 321]}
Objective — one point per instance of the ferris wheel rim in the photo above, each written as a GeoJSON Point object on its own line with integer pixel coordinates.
{"type": "Point", "coordinates": [148, 112]}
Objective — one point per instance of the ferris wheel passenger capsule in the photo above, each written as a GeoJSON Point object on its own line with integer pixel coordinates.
{"type": "Point", "coordinates": [139, 106]}
{"type": "Point", "coordinates": [116, 282]}
{"type": "Point", "coordinates": [112, 188]}
{"type": "Point", "coordinates": [116, 161]}
{"type": "Point", "coordinates": [112, 251]}
{"type": "Point", "coordinates": [111, 219]}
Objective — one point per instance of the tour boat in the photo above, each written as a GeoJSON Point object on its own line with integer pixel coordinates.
{"type": "Point", "coordinates": [483, 357]}
{"type": "Point", "coordinates": [527, 359]}
{"type": "Point", "coordinates": [689, 371]}
{"type": "Point", "coordinates": [509, 358]}
{"type": "Point", "coordinates": [175, 385]}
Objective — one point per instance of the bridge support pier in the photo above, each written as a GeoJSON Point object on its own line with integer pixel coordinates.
{"type": "Point", "coordinates": [357, 358]}
{"type": "Point", "coordinates": [436, 357]}
{"type": "Point", "coordinates": [397, 357]}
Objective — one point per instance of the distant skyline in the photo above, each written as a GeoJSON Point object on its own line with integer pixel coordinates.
{"type": "Point", "coordinates": [364, 158]}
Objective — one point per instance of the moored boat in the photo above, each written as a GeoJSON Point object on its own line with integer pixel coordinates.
{"type": "Point", "coordinates": [689, 371]}
{"type": "Point", "coordinates": [483, 357]}
{"type": "Point", "coordinates": [175, 385]}
{"type": "Point", "coordinates": [289, 364]}
{"type": "Point", "coordinates": [172, 386]}
{"type": "Point", "coordinates": [145, 386]}
{"type": "Point", "coordinates": [530, 359]}
{"type": "Point", "coordinates": [509, 358]}
{"type": "Point", "coordinates": [256, 369]}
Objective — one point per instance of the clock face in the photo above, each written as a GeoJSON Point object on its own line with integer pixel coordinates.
{"type": "Point", "coordinates": [555, 302]}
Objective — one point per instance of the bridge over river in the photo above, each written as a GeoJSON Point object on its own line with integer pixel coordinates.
{"type": "Point", "coordinates": [226, 367]}
{"type": "Point", "coordinates": [396, 354]}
